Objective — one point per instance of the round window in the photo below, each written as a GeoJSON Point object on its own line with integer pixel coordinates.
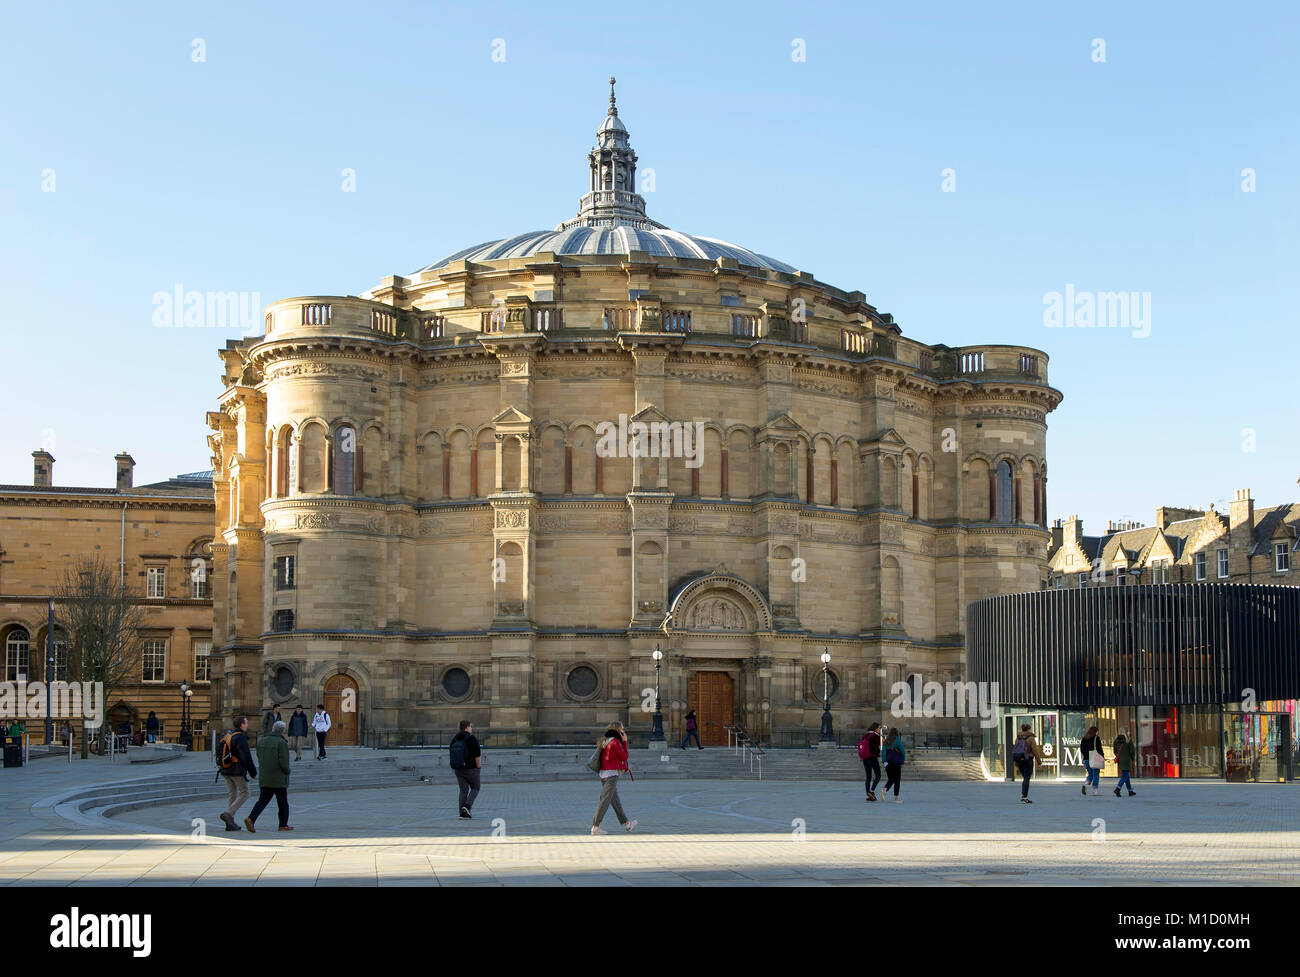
{"type": "Point", "coordinates": [455, 682]}
{"type": "Point", "coordinates": [284, 679]}
{"type": "Point", "coordinates": [582, 682]}
{"type": "Point", "coordinates": [820, 683]}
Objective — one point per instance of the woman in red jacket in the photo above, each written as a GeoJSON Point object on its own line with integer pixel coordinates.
{"type": "Point", "coordinates": [613, 761]}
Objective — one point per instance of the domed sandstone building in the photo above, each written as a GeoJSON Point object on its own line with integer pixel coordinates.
{"type": "Point", "coordinates": [489, 490]}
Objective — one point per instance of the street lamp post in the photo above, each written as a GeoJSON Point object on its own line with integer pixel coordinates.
{"type": "Point", "coordinates": [828, 728]}
{"type": "Point", "coordinates": [186, 693]}
{"type": "Point", "coordinates": [657, 739]}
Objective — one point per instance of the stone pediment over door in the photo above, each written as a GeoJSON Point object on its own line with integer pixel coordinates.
{"type": "Point", "coordinates": [720, 602]}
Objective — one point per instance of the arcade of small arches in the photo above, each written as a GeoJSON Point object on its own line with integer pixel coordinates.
{"type": "Point", "coordinates": [344, 457]}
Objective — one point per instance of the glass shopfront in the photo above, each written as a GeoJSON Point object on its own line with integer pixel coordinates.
{"type": "Point", "coordinates": [1172, 741]}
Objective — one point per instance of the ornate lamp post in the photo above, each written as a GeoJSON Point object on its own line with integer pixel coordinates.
{"type": "Point", "coordinates": [657, 740]}
{"type": "Point", "coordinates": [828, 729]}
{"type": "Point", "coordinates": [186, 693]}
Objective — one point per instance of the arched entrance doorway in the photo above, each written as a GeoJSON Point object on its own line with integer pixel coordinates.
{"type": "Point", "coordinates": [716, 622]}
{"type": "Point", "coordinates": [713, 697]}
{"type": "Point", "coordinates": [343, 703]}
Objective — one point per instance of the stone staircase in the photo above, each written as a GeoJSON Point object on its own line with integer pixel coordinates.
{"type": "Point", "coordinates": [343, 773]}
{"type": "Point", "coordinates": [718, 763]}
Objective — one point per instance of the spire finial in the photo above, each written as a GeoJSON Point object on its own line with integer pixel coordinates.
{"type": "Point", "coordinates": [612, 109]}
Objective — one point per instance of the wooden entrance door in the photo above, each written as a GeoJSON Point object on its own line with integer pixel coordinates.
{"type": "Point", "coordinates": [343, 704]}
{"type": "Point", "coordinates": [712, 697]}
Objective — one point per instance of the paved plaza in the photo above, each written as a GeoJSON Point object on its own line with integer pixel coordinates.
{"type": "Point", "coordinates": [691, 833]}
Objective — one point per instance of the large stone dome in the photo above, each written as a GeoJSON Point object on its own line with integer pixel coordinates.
{"type": "Point", "coordinates": [611, 218]}
{"type": "Point", "coordinates": [619, 239]}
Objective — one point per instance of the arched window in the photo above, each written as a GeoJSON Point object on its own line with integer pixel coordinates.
{"type": "Point", "coordinates": [282, 462]}
{"type": "Point", "coordinates": [345, 461]}
{"type": "Point", "coordinates": [314, 464]}
{"type": "Point", "coordinates": [17, 654]}
{"type": "Point", "coordinates": [1004, 493]}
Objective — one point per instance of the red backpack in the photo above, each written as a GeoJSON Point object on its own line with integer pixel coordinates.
{"type": "Point", "coordinates": [864, 747]}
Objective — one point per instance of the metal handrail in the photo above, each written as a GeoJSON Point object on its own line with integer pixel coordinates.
{"type": "Point", "coordinates": [745, 747]}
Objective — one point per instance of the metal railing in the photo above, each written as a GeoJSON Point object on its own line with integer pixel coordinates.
{"type": "Point", "coordinates": [739, 740]}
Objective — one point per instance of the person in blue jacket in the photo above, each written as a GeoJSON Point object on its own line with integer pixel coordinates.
{"type": "Point", "coordinates": [895, 756]}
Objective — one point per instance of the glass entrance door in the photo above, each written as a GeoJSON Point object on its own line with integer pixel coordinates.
{"type": "Point", "coordinates": [1046, 727]}
{"type": "Point", "coordinates": [1256, 746]}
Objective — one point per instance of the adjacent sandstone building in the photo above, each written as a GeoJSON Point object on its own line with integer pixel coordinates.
{"type": "Point", "coordinates": [433, 504]}
{"type": "Point", "coordinates": [157, 539]}
{"type": "Point", "coordinates": [1183, 546]}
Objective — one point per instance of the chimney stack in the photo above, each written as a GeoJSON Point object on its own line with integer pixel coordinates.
{"type": "Point", "coordinates": [1058, 535]}
{"type": "Point", "coordinates": [42, 469]}
{"type": "Point", "coordinates": [125, 470]}
{"type": "Point", "coordinates": [1242, 512]}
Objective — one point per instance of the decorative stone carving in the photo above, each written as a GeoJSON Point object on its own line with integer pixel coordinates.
{"type": "Point", "coordinates": [512, 609]}
{"type": "Point", "coordinates": [325, 368]}
{"type": "Point", "coordinates": [681, 524]}
{"type": "Point", "coordinates": [715, 614]}
{"type": "Point", "coordinates": [551, 522]}
{"type": "Point", "coordinates": [512, 519]}
{"type": "Point", "coordinates": [650, 606]}
{"type": "Point", "coordinates": [315, 520]}
{"type": "Point", "coordinates": [783, 610]}
{"type": "Point", "coordinates": [1006, 410]}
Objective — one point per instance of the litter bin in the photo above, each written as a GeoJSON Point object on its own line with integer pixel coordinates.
{"type": "Point", "coordinates": [13, 754]}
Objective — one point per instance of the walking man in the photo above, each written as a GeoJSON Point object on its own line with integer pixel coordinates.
{"type": "Point", "coordinates": [298, 727]}
{"type": "Point", "coordinates": [466, 760]}
{"type": "Point", "coordinates": [273, 751]}
{"type": "Point", "coordinates": [271, 718]}
{"type": "Point", "coordinates": [321, 723]}
{"type": "Point", "coordinates": [236, 771]}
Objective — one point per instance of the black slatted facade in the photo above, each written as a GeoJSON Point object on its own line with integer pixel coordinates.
{"type": "Point", "coordinates": [1164, 644]}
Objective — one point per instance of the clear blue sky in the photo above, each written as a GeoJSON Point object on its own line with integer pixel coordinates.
{"type": "Point", "coordinates": [225, 175]}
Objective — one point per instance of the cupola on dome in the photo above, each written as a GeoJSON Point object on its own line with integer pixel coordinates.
{"type": "Point", "coordinates": [611, 218]}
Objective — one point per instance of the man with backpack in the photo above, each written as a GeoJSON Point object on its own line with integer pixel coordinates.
{"type": "Point", "coordinates": [869, 753]}
{"type": "Point", "coordinates": [1027, 754]}
{"type": "Point", "coordinates": [235, 763]}
{"type": "Point", "coordinates": [321, 723]}
{"type": "Point", "coordinates": [466, 759]}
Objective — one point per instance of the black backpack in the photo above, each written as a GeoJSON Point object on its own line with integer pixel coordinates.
{"type": "Point", "coordinates": [456, 753]}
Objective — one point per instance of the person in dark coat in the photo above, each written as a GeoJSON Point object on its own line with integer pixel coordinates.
{"type": "Point", "coordinates": [692, 730]}
{"type": "Point", "coordinates": [468, 778]}
{"type": "Point", "coordinates": [299, 730]}
{"type": "Point", "coordinates": [151, 727]}
{"type": "Point", "coordinates": [271, 718]}
{"type": "Point", "coordinates": [871, 762]}
{"type": "Point", "coordinates": [273, 751]}
{"type": "Point", "coordinates": [238, 774]}
{"type": "Point", "coordinates": [1125, 757]}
